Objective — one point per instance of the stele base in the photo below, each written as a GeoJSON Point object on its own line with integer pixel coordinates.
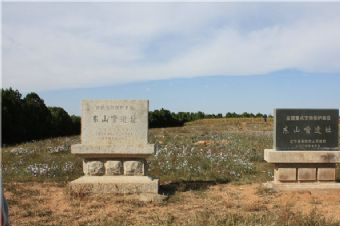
{"type": "Point", "coordinates": [115, 185]}
{"type": "Point", "coordinates": [303, 170]}
{"type": "Point", "coordinates": [114, 170]}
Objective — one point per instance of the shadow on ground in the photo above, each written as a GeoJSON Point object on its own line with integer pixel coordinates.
{"type": "Point", "coordinates": [182, 186]}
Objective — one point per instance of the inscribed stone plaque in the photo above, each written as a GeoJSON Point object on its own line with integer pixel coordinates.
{"type": "Point", "coordinates": [107, 122]}
{"type": "Point", "coordinates": [306, 129]}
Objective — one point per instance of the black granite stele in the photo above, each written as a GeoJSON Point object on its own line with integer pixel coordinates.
{"type": "Point", "coordinates": [306, 129]}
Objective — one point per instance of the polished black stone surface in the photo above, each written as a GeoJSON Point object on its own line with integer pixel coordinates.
{"type": "Point", "coordinates": [306, 129]}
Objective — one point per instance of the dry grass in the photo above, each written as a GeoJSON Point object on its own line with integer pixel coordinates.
{"type": "Point", "coordinates": [223, 204]}
{"type": "Point", "coordinates": [200, 193]}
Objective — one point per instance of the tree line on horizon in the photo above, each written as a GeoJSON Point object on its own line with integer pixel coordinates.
{"type": "Point", "coordinates": [28, 118]}
{"type": "Point", "coordinates": [165, 118]}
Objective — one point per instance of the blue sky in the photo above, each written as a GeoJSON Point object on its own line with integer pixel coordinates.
{"type": "Point", "coordinates": [214, 57]}
{"type": "Point", "coordinates": [216, 94]}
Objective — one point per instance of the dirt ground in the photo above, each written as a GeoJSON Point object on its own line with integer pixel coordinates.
{"type": "Point", "coordinates": [51, 204]}
{"type": "Point", "coordinates": [241, 202]}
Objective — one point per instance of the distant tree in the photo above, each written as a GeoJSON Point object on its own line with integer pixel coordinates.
{"type": "Point", "coordinates": [29, 118]}
{"type": "Point", "coordinates": [163, 118]}
{"type": "Point", "coordinates": [183, 117]}
{"type": "Point", "coordinates": [245, 115]}
{"type": "Point", "coordinates": [232, 115]}
{"type": "Point", "coordinates": [259, 115]}
{"type": "Point", "coordinates": [200, 115]}
{"type": "Point", "coordinates": [38, 117]}
{"type": "Point", "coordinates": [13, 129]}
{"type": "Point", "coordinates": [61, 122]}
{"type": "Point", "coordinates": [75, 124]}
{"type": "Point", "coordinates": [166, 118]}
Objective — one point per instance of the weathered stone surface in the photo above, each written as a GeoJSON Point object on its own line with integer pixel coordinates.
{"type": "Point", "coordinates": [93, 168]}
{"type": "Point", "coordinates": [112, 122]}
{"type": "Point", "coordinates": [326, 174]}
{"type": "Point", "coordinates": [113, 167]}
{"type": "Point", "coordinates": [114, 150]}
{"type": "Point", "coordinates": [114, 141]}
{"type": "Point", "coordinates": [134, 168]}
{"type": "Point", "coordinates": [307, 174]}
{"type": "Point", "coordinates": [285, 174]}
{"type": "Point", "coordinates": [273, 156]}
{"type": "Point", "coordinates": [115, 184]}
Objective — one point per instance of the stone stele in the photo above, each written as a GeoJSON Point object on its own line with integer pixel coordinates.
{"type": "Point", "coordinates": [114, 146]}
{"type": "Point", "coordinates": [304, 168]}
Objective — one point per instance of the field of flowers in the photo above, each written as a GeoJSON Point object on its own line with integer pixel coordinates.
{"type": "Point", "coordinates": [220, 150]}
{"type": "Point", "coordinates": [204, 153]}
{"type": "Point", "coordinates": [46, 160]}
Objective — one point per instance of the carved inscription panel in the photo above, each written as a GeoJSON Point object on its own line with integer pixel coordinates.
{"type": "Point", "coordinates": [306, 129]}
{"type": "Point", "coordinates": [114, 122]}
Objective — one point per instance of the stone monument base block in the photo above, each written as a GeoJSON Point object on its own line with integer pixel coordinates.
{"type": "Point", "coordinates": [114, 185]}
{"type": "Point", "coordinates": [118, 150]}
{"type": "Point", "coordinates": [277, 186]}
{"type": "Point", "coordinates": [303, 170]}
{"type": "Point", "coordinates": [275, 156]}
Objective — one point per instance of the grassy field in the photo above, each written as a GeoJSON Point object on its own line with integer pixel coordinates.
{"type": "Point", "coordinates": [212, 171]}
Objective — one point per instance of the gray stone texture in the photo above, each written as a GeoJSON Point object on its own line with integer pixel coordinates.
{"type": "Point", "coordinates": [114, 144]}
{"type": "Point", "coordinates": [285, 174]}
{"type": "Point", "coordinates": [115, 185]}
{"type": "Point", "coordinates": [273, 156]}
{"type": "Point", "coordinates": [113, 167]}
{"type": "Point", "coordinates": [93, 168]}
{"type": "Point", "coordinates": [134, 168]}
{"type": "Point", "coordinates": [111, 151]}
{"type": "Point", "coordinates": [307, 174]}
{"type": "Point", "coordinates": [112, 122]}
{"type": "Point", "coordinates": [326, 174]}
{"type": "Point", "coordinates": [311, 169]}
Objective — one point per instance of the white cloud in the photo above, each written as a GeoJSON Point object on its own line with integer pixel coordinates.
{"type": "Point", "coordinates": [64, 45]}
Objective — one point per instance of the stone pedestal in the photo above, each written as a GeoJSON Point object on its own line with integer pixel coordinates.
{"type": "Point", "coordinates": [296, 170]}
{"type": "Point", "coordinates": [114, 147]}
{"type": "Point", "coordinates": [113, 169]}
{"type": "Point", "coordinates": [115, 185]}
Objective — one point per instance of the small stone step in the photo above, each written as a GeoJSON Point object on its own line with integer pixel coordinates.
{"type": "Point", "coordinates": [115, 185]}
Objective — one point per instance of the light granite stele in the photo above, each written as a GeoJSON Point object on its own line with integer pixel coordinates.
{"type": "Point", "coordinates": [112, 122]}
{"type": "Point", "coordinates": [114, 146]}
